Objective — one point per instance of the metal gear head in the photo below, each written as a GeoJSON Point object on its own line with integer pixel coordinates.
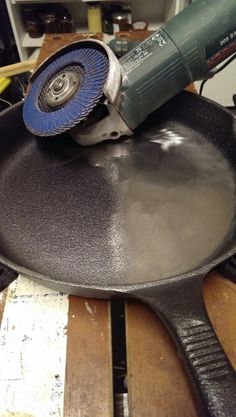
{"type": "Point", "coordinates": [67, 90]}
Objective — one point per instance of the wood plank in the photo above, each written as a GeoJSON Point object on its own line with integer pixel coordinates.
{"type": "Point", "coordinates": [17, 68]}
{"type": "Point", "coordinates": [52, 43]}
{"type": "Point", "coordinates": [88, 389]}
{"type": "Point", "coordinates": [220, 299]}
{"type": "Point", "coordinates": [157, 383]}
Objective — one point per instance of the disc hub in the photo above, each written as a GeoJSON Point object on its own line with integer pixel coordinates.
{"type": "Point", "coordinates": [62, 88]}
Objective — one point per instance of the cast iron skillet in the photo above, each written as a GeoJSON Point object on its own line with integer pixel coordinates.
{"type": "Point", "coordinates": [145, 217]}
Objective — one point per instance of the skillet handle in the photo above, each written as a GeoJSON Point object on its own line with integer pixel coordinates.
{"type": "Point", "coordinates": [181, 307]}
{"type": "Point", "coordinates": [7, 276]}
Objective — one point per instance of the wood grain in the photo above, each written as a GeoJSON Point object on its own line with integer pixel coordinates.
{"type": "Point", "coordinates": [157, 383]}
{"type": "Point", "coordinates": [88, 387]}
{"type": "Point", "coordinates": [18, 68]}
{"type": "Point", "coordinates": [220, 299]}
{"type": "Point", "coordinates": [134, 35]}
{"type": "Point", "coordinates": [52, 43]}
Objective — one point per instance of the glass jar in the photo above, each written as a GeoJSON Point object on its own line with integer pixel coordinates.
{"type": "Point", "coordinates": [107, 22]}
{"type": "Point", "coordinates": [50, 22]}
{"type": "Point", "coordinates": [34, 26]}
{"type": "Point", "coordinates": [127, 9]}
{"type": "Point", "coordinates": [65, 24]}
{"type": "Point", "coordinates": [120, 22]}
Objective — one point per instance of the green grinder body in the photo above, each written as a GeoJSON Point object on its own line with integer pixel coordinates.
{"type": "Point", "coordinates": [184, 50]}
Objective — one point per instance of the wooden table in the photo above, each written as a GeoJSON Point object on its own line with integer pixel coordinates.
{"type": "Point", "coordinates": [56, 350]}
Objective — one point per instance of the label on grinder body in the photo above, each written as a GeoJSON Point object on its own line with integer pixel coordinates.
{"type": "Point", "coordinates": [135, 57]}
{"type": "Point", "coordinates": [221, 48]}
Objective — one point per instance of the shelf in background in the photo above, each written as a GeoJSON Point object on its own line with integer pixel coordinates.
{"type": "Point", "coordinates": [58, 1]}
{"type": "Point", "coordinates": [29, 42]}
{"type": "Point", "coordinates": [153, 26]}
{"type": "Point", "coordinates": [92, 1]}
{"type": "Point", "coordinates": [77, 8]}
{"type": "Point", "coordinates": [45, 1]}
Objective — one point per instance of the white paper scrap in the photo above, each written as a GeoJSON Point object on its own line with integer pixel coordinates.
{"type": "Point", "coordinates": [33, 351]}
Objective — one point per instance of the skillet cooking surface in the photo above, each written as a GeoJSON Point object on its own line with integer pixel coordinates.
{"type": "Point", "coordinates": [142, 209]}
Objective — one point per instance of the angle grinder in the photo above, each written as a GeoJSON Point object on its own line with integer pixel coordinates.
{"type": "Point", "coordinates": [85, 90]}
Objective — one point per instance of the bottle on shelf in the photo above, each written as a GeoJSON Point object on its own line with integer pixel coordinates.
{"type": "Point", "coordinates": [33, 24]}
{"type": "Point", "coordinates": [107, 22]}
{"type": "Point", "coordinates": [122, 17]}
{"type": "Point", "coordinates": [50, 22]}
{"type": "Point", "coordinates": [64, 21]}
{"type": "Point", "coordinates": [127, 9]}
{"type": "Point", "coordinates": [94, 17]}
